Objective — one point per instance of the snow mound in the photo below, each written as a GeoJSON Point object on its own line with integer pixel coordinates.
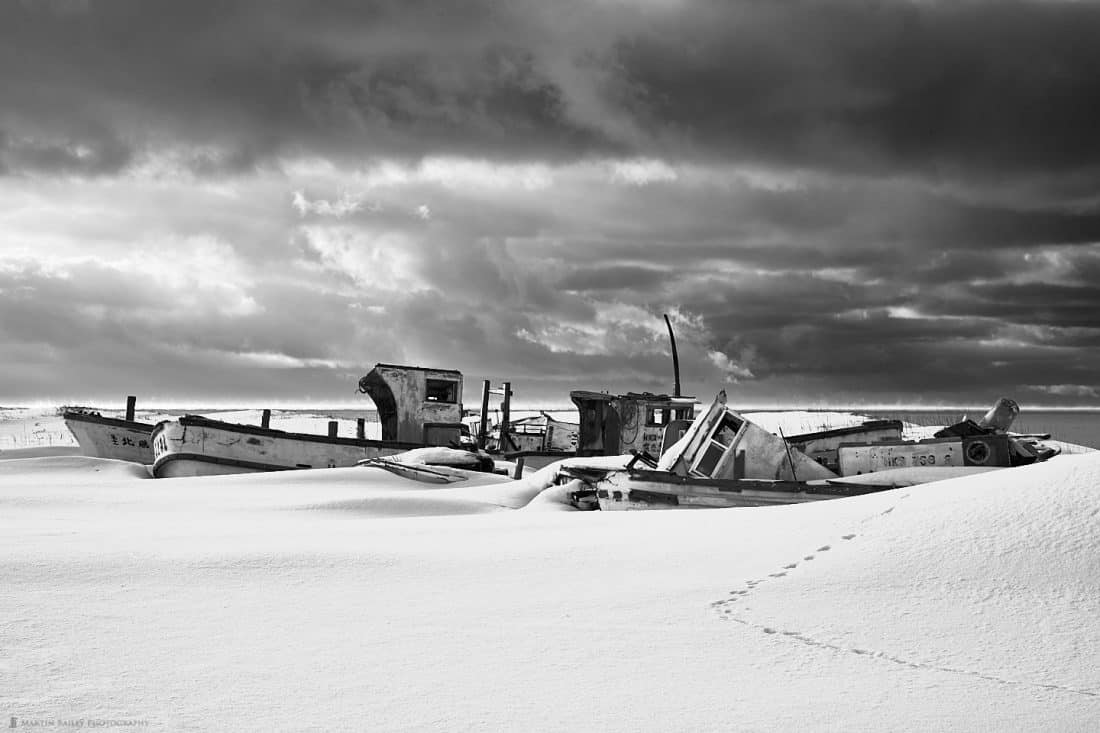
{"type": "Point", "coordinates": [967, 604]}
{"type": "Point", "coordinates": [988, 577]}
{"type": "Point", "coordinates": [72, 468]}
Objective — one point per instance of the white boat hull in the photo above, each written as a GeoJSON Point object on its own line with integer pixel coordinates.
{"type": "Point", "coordinates": [196, 446]}
{"type": "Point", "coordinates": [106, 437]}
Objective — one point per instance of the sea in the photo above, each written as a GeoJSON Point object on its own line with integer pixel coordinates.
{"type": "Point", "coordinates": [1071, 426]}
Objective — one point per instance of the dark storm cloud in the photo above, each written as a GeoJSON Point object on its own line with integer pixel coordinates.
{"type": "Point", "coordinates": [87, 155]}
{"type": "Point", "coordinates": [935, 87]}
{"type": "Point", "coordinates": [255, 79]}
{"type": "Point", "coordinates": [1067, 306]}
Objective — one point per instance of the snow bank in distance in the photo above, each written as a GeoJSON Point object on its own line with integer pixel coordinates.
{"type": "Point", "coordinates": [798, 422]}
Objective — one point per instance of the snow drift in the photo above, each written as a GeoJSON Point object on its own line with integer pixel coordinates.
{"type": "Point", "coordinates": [350, 599]}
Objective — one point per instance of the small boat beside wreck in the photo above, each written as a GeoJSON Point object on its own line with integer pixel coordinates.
{"type": "Point", "coordinates": [417, 407]}
{"type": "Point", "coordinates": [122, 439]}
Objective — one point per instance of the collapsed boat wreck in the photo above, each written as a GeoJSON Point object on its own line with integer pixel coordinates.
{"type": "Point", "coordinates": [417, 407]}
{"type": "Point", "coordinates": [725, 460]}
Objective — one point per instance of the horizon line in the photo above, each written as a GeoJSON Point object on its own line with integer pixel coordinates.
{"type": "Point", "coordinates": [176, 405]}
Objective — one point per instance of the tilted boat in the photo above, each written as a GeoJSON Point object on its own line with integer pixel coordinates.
{"type": "Point", "coordinates": [416, 406]}
{"type": "Point", "coordinates": [109, 437]}
{"type": "Point", "coordinates": [724, 460]}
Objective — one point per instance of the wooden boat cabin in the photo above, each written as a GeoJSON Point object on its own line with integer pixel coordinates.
{"type": "Point", "coordinates": [540, 433]}
{"type": "Point", "coordinates": [416, 404]}
{"type": "Point", "coordinates": [614, 425]}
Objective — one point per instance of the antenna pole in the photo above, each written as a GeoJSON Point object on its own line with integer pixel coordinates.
{"type": "Point", "coordinates": [675, 358]}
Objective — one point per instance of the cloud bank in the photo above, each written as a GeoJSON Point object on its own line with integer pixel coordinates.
{"type": "Point", "coordinates": [851, 202]}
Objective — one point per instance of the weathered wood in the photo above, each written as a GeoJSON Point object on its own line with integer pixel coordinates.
{"type": "Point", "coordinates": [505, 416]}
{"type": "Point", "coordinates": [333, 427]}
{"type": "Point", "coordinates": [483, 424]}
{"type": "Point", "coordinates": [361, 428]}
{"type": "Point", "coordinates": [195, 446]}
{"type": "Point", "coordinates": [265, 419]}
{"type": "Point", "coordinates": [131, 406]}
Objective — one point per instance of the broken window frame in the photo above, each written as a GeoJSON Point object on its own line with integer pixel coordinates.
{"type": "Point", "coordinates": [714, 451]}
{"type": "Point", "coordinates": [441, 391]}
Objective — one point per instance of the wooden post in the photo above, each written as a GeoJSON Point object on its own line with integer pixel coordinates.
{"type": "Point", "coordinates": [483, 426]}
{"type": "Point", "coordinates": [518, 473]}
{"type": "Point", "coordinates": [265, 419]}
{"type": "Point", "coordinates": [131, 404]}
{"type": "Point", "coordinates": [505, 416]}
{"type": "Point", "coordinates": [332, 427]}
{"type": "Point", "coordinates": [361, 428]}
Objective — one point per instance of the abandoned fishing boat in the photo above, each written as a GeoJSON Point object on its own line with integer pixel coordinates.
{"type": "Point", "coordinates": [724, 460]}
{"type": "Point", "coordinates": [610, 425]}
{"type": "Point", "coordinates": [720, 460]}
{"type": "Point", "coordinates": [123, 439]}
{"type": "Point", "coordinates": [416, 406]}
{"type": "Point", "coordinates": [982, 443]}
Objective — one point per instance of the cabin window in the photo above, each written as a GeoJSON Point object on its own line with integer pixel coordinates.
{"type": "Point", "coordinates": [727, 431]}
{"type": "Point", "coordinates": [656, 416]}
{"type": "Point", "coordinates": [720, 441]}
{"type": "Point", "coordinates": [442, 390]}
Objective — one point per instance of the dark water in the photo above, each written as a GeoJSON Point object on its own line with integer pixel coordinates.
{"type": "Point", "coordinates": [1081, 427]}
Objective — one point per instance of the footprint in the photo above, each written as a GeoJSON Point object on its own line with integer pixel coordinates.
{"type": "Point", "coordinates": [776, 575]}
{"type": "Point", "coordinates": [792, 566]}
{"type": "Point", "coordinates": [769, 630]}
{"type": "Point", "coordinates": [823, 548]}
{"type": "Point", "coordinates": [808, 557]}
{"type": "Point", "coordinates": [847, 536]}
{"type": "Point", "coordinates": [886, 512]}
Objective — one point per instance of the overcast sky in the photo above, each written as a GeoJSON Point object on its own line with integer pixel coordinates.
{"type": "Point", "coordinates": [842, 202]}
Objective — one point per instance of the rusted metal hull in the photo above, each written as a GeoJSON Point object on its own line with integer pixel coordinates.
{"type": "Point", "coordinates": [823, 446]}
{"type": "Point", "coordinates": [983, 450]}
{"type": "Point", "coordinates": [639, 489]}
{"type": "Point", "coordinates": [198, 446]}
{"type": "Point", "coordinates": [106, 437]}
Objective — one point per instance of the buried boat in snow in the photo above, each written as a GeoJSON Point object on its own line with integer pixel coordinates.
{"type": "Point", "coordinates": [725, 460]}
{"type": "Point", "coordinates": [110, 437]}
{"type": "Point", "coordinates": [416, 406]}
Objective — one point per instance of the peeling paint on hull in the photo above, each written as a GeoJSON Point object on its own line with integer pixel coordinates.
{"type": "Point", "coordinates": [197, 446]}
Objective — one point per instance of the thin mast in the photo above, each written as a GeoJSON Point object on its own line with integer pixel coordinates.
{"type": "Point", "coordinates": [675, 358]}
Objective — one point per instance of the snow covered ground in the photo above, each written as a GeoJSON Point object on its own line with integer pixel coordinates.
{"type": "Point", "coordinates": [351, 599]}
